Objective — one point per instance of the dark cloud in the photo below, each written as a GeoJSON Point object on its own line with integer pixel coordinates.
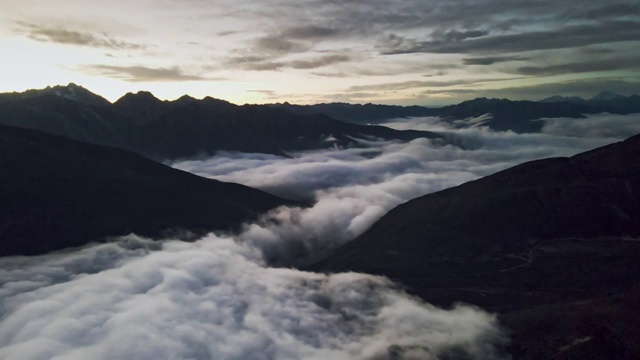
{"type": "Point", "coordinates": [584, 88]}
{"type": "Point", "coordinates": [279, 44]}
{"type": "Point", "coordinates": [605, 11]}
{"type": "Point", "coordinates": [457, 35]}
{"type": "Point", "coordinates": [269, 92]}
{"type": "Point", "coordinates": [332, 74]}
{"type": "Point", "coordinates": [310, 32]}
{"type": "Point", "coordinates": [490, 60]}
{"type": "Point", "coordinates": [264, 64]}
{"type": "Point", "coordinates": [62, 35]}
{"type": "Point", "coordinates": [565, 37]}
{"type": "Point", "coordinates": [144, 74]}
{"type": "Point", "coordinates": [422, 84]}
{"type": "Point", "coordinates": [582, 67]}
{"type": "Point", "coordinates": [319, 62]}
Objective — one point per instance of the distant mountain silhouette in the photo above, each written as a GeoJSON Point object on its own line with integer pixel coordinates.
{"type": "Point", "coordinates": [70, 92]}
{"type": "Point", "coordinates": [551, 244]}
{"type": "Point", "coordinates": [182, 128]}
{"type": "Point", "coordinates": [605, 96]}
{"type": "Point", "coordinates": [359, 114]}
{"type": "Point", "coordinates": [569, 99]}
{"type": "Point", "coordinates": [501, 114]}
{"type": "Point", "coordinates": [56, 193]}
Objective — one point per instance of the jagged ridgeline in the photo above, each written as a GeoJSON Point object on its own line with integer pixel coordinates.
{"type": "Point", "coordinates": [182, 128]}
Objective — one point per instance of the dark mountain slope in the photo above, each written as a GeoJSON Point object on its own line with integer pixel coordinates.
{"type": "Point", "coordinates": [56, 193]}
{"type": "Point", "coordinates": [58, 115]}
{"type": "Point", "coordinates": [359, 114]}
{"type": "Point", "coordinates": [551, 244]}
{"type": "Point", "coordinates": [207, 127]}
{"type": "Point", "coordinates": [590, 195]}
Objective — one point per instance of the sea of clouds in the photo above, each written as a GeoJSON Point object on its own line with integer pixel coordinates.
{"type": "Point", "coordinates": [238, 296]}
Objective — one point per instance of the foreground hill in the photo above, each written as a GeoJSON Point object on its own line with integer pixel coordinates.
{"type": "Point", "coordinates": [182, 128]}
{"type": "Point", "coordinates": [56, 193]}
{"type": "Point", "coordinates": [553, 245]}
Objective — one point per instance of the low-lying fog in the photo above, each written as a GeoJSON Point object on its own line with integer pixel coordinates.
{"type": "Point", "coordinates": [221, 297]}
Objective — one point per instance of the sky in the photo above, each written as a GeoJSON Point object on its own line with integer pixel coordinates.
{"type": "Point", "coordinates": [423, 52]}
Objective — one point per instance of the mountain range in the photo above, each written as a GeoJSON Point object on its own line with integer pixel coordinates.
{"type": "Point", "coordinates": [546, 240]}
{"type": "Point", "coordinates": [503, 114]}
{"type": "Point", "coordinates": [186, 127]}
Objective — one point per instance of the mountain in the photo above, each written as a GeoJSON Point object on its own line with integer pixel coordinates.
{"type": "Point", "coordinates": [552, 245]}
{"type": "Point", "coordinates": [607, 96]}
{"type": "Point", "coordinates": [72, 92]}
{"type": "Point", "coordinates": [359, 114]}
{"type": "Point", "coordinates": [208, 126]}
{"type": "Point", "coordinates": [185, 127]}
{"type": "Point", "coordinates": [498, 114]}
{"type": "Point", "coordinates": [56, 193]}
{"type": "Point", "coordinates": [503, 114]}
{"type": "Point", "coordinates": [558, 98]}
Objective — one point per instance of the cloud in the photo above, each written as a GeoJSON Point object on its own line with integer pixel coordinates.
{"type": "Point", "coordinates": [214, 299]}
{"type": "Point", "coordinates": [264, 64]}
{"type": "Point", "coordinates": [310, 32]}
{"type": "Point", "coordinates": [62, 35]}
{"type": "Point", "coordinates": [355, 187]}
{"type": "Point", "coordinates": [265, 52]}
{"type": "Point", "coordinates": [605, 11]}
{"type": "Point", "coordinates": [585, 88]}
{"type": "Point", "coordinates": [570, 36]}
{"type": "Point", "coordinates": [457, 35]}
{"type": "Point", "coordinates": [260, 91]}
{"type": "Point", "coordinates": [490, 60]}
{"type": "Point", "coordinates": [595, 126]}
{"type": "Point", "coordinates": [278, 44]}
{"type": "Point", "coordinates": [422, 84]}
{"type": "Point", "coordinates": [144, 74]}
{"type": "Point", "coordinates": [614, 64]}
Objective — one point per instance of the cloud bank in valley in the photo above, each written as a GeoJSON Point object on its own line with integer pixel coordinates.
{"type": "Point", "coordinates": [221, 298]}
{"type": "Point", "coordinates": [215, 299]}
{"type": "Point", "coordinates": [354, 187]}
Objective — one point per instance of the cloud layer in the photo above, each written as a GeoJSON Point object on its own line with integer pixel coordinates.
{"type": "Point", "coordinates": [214, 299]}
{"type": "Point", "coordinates": [353, 188]}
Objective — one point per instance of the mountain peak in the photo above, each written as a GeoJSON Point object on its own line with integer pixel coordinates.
{"type": "Point", "coordinates": [559, 98]}
{"type": "Point", "coordinates": [185, 98]}
{"type": "Point", "coordinates": [140, 95]}
{"type": "Point", "coordinates": [71, 92]}
{"type": "Point", "coordinates": [607, 96]}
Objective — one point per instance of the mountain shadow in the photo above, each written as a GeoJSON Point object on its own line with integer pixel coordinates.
{"type": "Point", "coordinates": [57, 193]}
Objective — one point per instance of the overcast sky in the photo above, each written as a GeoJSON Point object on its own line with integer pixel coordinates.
{"type": "Point", "coordinates": [423, 52]}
